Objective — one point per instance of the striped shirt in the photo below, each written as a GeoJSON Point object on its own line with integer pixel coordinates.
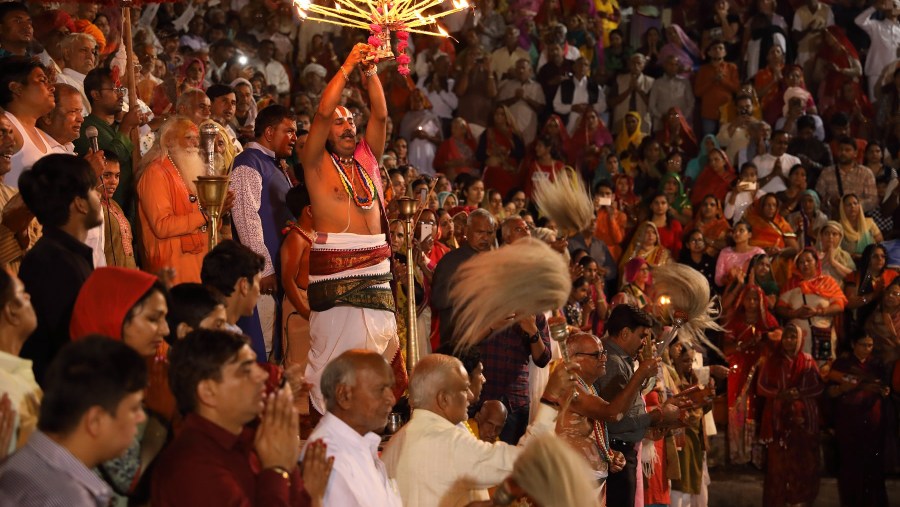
{"type": "Point", "coordinates": [46, 474]}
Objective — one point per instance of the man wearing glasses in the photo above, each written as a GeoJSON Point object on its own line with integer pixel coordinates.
{"type": "Point", "coordinates": [107, 98]}
{"type": "Point", "coordinates": [79, 55]}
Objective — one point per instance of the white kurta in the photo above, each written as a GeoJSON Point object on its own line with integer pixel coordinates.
{"type": "Point", "coordinates": [439, 464]}
{"type": "Point", "coordinates": [359, 477]}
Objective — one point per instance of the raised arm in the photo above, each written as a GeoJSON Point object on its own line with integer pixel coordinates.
{"type": "Point", "coordinates": [331, 97]}
{"type": "Point", "coordinates": [376, 130]}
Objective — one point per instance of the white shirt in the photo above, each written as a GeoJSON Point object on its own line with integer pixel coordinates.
{"type": "Point", "coordinates": [275, 75]}
{"type": "Point", "coordinates": [572, 54]}
{"type": "Point", "coordinates": [359, 477]}
{"type": "Point", "coordinates": [668, 92]}
{"type": "Point", "coordinates": [525, 116]}
{"type": "Point", "coordinates": [580, 96]}
{"type": "Point", "coordinates": [502, 61]}
{"type": "Point", "coordinates": [439, 464]}
{"type": "Point", "coordinates": [443, 102]}
{"type": "Point", "coordinates": [885, 36]}
{"type": "Point", "coordinates": [764, 165]}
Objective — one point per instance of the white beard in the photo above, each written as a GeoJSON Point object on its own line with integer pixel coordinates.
{"type": "Point", "coordinates": [190, 165]}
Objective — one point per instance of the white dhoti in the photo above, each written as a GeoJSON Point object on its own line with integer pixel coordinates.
{"type": "Point", "coordinates": [345, 326]}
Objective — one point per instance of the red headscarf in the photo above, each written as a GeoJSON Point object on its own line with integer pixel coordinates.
{"type": "Point", "coordinates": [686, 129]}
{"type": "Point", "coordinates": [766, 322]}
{"type": "Point", "coordinates": [105, 300]}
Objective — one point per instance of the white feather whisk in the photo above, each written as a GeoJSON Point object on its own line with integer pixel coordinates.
{"type": "Point", "coordinates": [565, 200]}
{"type": "Point", "coordinates": [524, 278]}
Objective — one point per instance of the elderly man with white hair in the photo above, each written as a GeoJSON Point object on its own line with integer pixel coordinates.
{"type": "Point", "coordinates": [434, 459]}
{"type": "Point", "coordinates": [79, 54]}
{"type": "Point", "coordinates": [358, 390]}
{"type": "Point", "coordinates": [173, 225]}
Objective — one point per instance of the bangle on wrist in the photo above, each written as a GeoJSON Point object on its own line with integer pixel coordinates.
{"type": "Point", "coordinates": [282, 472]}
{"type": "Point", "coordinates": [344, 72]}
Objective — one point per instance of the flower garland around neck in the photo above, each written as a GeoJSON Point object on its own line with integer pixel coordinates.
{"type": "Point", "coordinates": [600, 433]}
{"type": "Point", "coordinates": [342, 164]}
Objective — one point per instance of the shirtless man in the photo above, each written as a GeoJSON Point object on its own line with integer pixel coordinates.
{"type": "Point", "coordinates": [295, 250]}
{"type": "Point", "coordinates": [349, 292]}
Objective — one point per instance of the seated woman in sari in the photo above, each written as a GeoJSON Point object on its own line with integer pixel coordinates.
{"type": "Point", "coordinates": [585, 146]}
{"type": "Point", "coordinates": [791, 385]}
{"type": "Point", "coordinates": [673, 189]}
{"type": "Point", "coordinates": [625, 199]}
{"type": "Point", "coordinates": [808, 219]}
{"type": "Point", "coordinates": [883, 325]}
{"type": "Point", "coordinates": [865, 288]}
{"type": "Point", "coordinates": [677, 134]}
{"type": "Point", "coordinates": [733, 260]}
{"type": "Point", "coordinates": [131, 306]}
{"type": "Point", "coordinates": [797, 186]}
{"type": "Point", "coordinates": [555, 129]}
{"type": "Point", "coordinates": [811, 300]}
{"type": "Point", "coordinates": [857, 384]}
{"type": "Point", "coordinates": [694, 165]}
{"type": "Point", "coordinates": [628, 142]}
{"type": "Point", "coordinates": [646, 245]}
{"type": "Point", "coordinates": [637, 280]}
{"type": "Point", "coordinates": [715, 179]}
{"type": "Point", "coordinates": [543, 163]}
{"type": "Point", "coordinates": [771, 231]}
{"type": "Point", "coordinates": [838, 62]}
{"type": "Point", "coordinates": [456, 155]}
{"type": "Point", "coordinates": [759, 272]}
{"type": "Point", "coordinates": [860, 231]}
{"type": "Point", "coordinates": [669, 229]}
{"type": "Point", "coordinates": [500, 150]}
{"type": "Point", "coordinates": [708, 219]}
{"type": "Point", "coordinates": [836, 262]}
{"type": "Point", "coordinates": [751, 333]}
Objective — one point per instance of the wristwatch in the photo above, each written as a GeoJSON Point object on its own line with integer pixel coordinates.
{"type": "Point", "coordinates": [535, 338]}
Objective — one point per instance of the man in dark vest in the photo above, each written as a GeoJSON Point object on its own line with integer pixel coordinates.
{"type": "Point", "coordinates": [260, 183]}
{"type": "Point", "coordinates": [577, 94]}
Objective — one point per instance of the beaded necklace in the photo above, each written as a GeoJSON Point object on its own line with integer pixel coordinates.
{"type": "Point", "coordinates": [600, 433]}
{"type": "Point", "coordinates": [365, 201]}
{"type": "Point", "coordinates": [191, 196]}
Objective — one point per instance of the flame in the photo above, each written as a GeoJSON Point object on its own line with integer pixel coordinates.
{"type": "Point", "coordinates": [443, 32]}
{"type": "Point", "coordinates": [337, 6]}
{"type": "Point", "coordinates": [664, 300]}
{"type": "Point", "coordinates": [460, 4]}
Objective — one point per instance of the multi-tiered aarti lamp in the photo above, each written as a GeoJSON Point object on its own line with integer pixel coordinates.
{"type": "Point", "coordinates": [213, 187]}
{"type": "Point", "coordinates": [380, 18]}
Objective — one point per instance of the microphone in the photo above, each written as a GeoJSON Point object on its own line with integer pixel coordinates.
{"type": "Point", "coordinates": [92, 133]}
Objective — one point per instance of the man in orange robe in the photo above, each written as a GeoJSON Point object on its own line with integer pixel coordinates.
{"type": "Point", "coordinates": [172, 224]}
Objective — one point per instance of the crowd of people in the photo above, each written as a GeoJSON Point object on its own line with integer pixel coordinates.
{"type": "Point", "coordinates": [756, 142]}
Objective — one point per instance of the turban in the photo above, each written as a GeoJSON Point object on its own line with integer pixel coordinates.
{"type": "Point", "coordinates": [315, 68]}
{"type": "Point", "coordinates": [85, 26]}
{"type": "Point", "coordinates": [795, 92]}
{"type": "Point", "coordinates": [48, 22]}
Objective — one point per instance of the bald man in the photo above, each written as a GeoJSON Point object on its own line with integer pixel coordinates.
{"type": "Point", "coordinates": [489, 421]}
{"type": "Point", "coordinates": [434, 459]}
{"type": "Point", "coordinates": [349, 292]}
